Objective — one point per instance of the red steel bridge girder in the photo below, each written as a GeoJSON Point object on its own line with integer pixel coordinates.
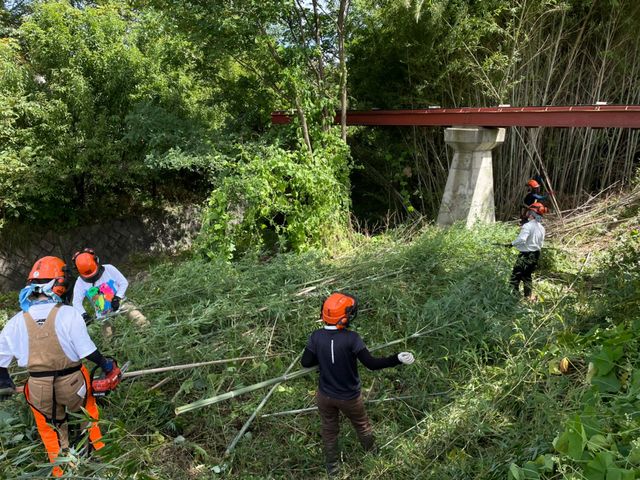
{"type": "Point", "coordinates": [594, 116]}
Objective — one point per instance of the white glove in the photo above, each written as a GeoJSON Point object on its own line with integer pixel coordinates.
{"type": "Point", "coordinates": [406, 358]}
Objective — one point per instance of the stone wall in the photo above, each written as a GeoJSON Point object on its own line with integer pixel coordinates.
{"type": "Point", "coordinates": [167, 231]}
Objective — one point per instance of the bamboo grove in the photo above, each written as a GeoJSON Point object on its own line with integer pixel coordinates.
{"type": "Point", "coordinates": [158, 101]}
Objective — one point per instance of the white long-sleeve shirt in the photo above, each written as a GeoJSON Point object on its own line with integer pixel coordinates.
{"type": "Point", "coordinates": [531, 237]}
{"type": "Point", "coordinates": [70, 329]}
{"type": "Point", "coordinates": [100, 293]}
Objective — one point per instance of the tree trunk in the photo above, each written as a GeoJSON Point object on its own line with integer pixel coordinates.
{"type": "Point", "coordinates": [342, 16]}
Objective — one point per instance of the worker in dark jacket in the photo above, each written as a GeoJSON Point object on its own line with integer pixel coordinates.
{"type": "Point", "coordinates": [335, 350]}
{"type": "Point", "coordinates": [533, 195]}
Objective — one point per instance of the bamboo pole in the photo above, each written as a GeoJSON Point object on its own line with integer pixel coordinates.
{"type": "Point", "coordinates": [234, 393]}
{"type": "Point", "coordinates": [289, 376]}
{"type": "Point", "coordinates": [159, 384]}
{"type": "Point", "coordinates": [187, 366]}
{"type": "Point", "coordinates": [246, 425]}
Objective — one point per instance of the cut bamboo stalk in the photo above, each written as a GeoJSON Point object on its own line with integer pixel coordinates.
{"type": "Point", "coordinates": [246, 425]}
{"type": "Point", "coordinates": [289, 376]}
{"type": "Point", "coordinates": [159, 384]}
{"type": "Point", "coordinates": [186, 366]}
{"type": "Point", "coordinates": [235, 393]}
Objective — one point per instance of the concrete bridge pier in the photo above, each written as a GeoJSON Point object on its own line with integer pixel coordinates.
{"type": "Point", "coordinates": [468, 195]}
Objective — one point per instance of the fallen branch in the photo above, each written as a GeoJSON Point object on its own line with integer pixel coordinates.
{"type": "Point", "coordinates": [289, 376]}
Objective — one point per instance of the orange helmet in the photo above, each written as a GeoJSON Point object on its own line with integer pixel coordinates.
{"type": "Point", "coordinates": [87, 262]}
{"type": "Point", "coordinates": [50, 268]}
{"type": "Point", "coordinates": [339, 309]}
{"type": "Point", "coordinates": [533, 184]}
{"type": "Point", "coordinates": [538, 208]}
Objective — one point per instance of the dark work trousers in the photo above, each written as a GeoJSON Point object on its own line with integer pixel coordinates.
{"type": "Point", "coordinates": [330, 409]}
{"type": "Point", "coordinates": [526, 264]}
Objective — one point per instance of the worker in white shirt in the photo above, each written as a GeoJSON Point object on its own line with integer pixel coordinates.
{"type": "Point", "coordinates": [104, 286]}
{"type": "Point", "coordinates": [50, 339]}
{"type": "Point", "coordinates": [529, 242]}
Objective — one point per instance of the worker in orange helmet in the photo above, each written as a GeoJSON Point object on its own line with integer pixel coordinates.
{"type": "Point", "coordinates": [534, 194]}
{"type": "Point", "coordinates": [50, 339]}
{"type": "Point", "coordinates": [335, 350]}
{"type": "Point", "coordinates": [529, 242]}
{"type": "Point", "coordinates": [104, 286]}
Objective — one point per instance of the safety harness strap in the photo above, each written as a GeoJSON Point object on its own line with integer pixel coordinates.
{"type": "Point", "coordinates": [56, 373]}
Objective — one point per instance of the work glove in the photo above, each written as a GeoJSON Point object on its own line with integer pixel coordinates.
{"type": "Point", "coordinates": [7, 389]}
{"type": "Point", "coordinates": [406, 358]}
{"type": "Point", "coordinates": [87, 319]}
{"type": "Point", "coordinates": [107, 365]}
{"type": "Point", "coordinates": [115, 303]}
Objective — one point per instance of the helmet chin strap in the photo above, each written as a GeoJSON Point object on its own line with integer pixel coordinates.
{"type": "Point", "coordinates": [330, 327]}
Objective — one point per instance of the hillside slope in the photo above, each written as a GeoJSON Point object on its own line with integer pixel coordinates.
{"type": "Point", "coordinates": [484, 397]}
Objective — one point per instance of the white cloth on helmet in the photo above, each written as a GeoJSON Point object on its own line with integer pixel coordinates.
{"type": "Point", "coordinates": [406, 358]}
{"type": "Point", "coordinates": [70, 329]}
{"type": "Point", "coordinates": [26, 294]}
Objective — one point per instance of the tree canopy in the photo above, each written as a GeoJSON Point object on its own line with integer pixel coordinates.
{"type": "Point", "coordinates": [110, 106]}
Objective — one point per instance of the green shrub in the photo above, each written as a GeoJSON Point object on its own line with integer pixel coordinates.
{"type": "Point", "coordinates": [278, 199]}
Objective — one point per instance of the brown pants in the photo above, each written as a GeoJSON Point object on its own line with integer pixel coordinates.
{"type": "Point", "coordinates": [135, 316]}
{"type": "Point", "coordinates": [330, 409]}
{"type": "Point", "coordinates": [132, 314]}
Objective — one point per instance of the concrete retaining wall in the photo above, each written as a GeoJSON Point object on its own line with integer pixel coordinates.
{"type": "Point", "coordinates": [168, 231]}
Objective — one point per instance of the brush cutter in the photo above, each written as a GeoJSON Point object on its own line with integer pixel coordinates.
{"type": "Point", "coordinates": [107, 382]}
{"type": "Point", "coordinates": [100, 386]}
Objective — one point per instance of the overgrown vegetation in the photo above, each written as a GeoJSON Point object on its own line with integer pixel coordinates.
{"type": "Point", "coordinates": [484, 400]}
{"type": "Point", "coordinates": [415, 54]}
{"type": "Point", "coordinates": [107, 107]}
{"type": "Point", "coordinates": [273, 199]}
{"type": "Point", "coordinates": [112, 106]}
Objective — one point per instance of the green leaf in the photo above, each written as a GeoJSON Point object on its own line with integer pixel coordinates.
{"type": "Point", "coordinates": [634, 455]}
{"type": "Point", "coordinates": [515, 472]}
{"type": "Point", "coordinates": [596, 469]}
{"type": "Point", "coordinates": [545, 463]}
{"type": "Point", "coordinates": [597, 442]}
{"type": "Point", "coordinates": [635, 381]}
{"type": "Point", "coordinates": [604, 361]}
{"type": "Point", "coordinates": [615, 473]}
{"type": "Point", "coordinates": [608, 383]}
{"type": "Point", "coordinates": [590, 420]}
{"type": "Point", "coordinates": [530, 470]}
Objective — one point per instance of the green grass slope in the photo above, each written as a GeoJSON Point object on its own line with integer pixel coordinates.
{"type": "Point", "coordinates": [484, 399]}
